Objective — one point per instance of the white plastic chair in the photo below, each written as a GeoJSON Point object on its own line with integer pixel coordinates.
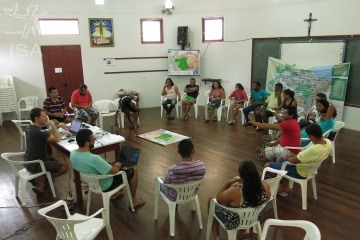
{"type": "Point", "coordinates": [20, 124]}
{"type": "Point", "coordinates": [176, 106]}
{"type": "Point", "coordinates": [185, 193]}
{"type": "Point", "coordinates": [220, 109]}
{"type": "Point", "coordinates": [77, 226]}
{"type": "Point", "coordinates": [106, 108]}
{"type": "Point", "coordinates": [299, 110]}
{"type": "Point", "coordinates": [311, 230]}
{"type": "Point", "coordinates": [22, 176]}
{"type": "Point", "coordinates": [93, 182]}
{"type": "Point", "coordinates": [303, 182]}
{"type": "Point", "coordinates": [240, 110]}
{"type": "Point", "coordinates": [337, 127]}
{"type": "Point", "coordinates": [25, 104]}
{"type": "Point", "coordinates": [273, 184]}
{"type": "Point", "coordinates": [248, 218]}
{"type": "Point", "coordinates": [122, 115]}
{"type": "Point", "coordinates": [195, 105]}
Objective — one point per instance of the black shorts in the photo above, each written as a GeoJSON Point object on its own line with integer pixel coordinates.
{"type": "Point", "coordinates": [117, 180]}
{"type": "Point", "coordinates": [49, 163]}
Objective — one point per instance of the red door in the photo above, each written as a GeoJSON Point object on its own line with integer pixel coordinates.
{"type": "Point", "coordinates": [63, 69]}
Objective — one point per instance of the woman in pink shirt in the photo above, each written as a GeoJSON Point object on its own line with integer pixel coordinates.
{"type": "Point", "coordinates": [237, 97]}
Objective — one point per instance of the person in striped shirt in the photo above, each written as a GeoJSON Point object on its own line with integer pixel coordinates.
{"type": "Point", "coordinates": [184, 171]}
{"type": "Point", "coordinates": [55, 107]}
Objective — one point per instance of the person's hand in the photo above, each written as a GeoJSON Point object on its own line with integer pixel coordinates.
{"type": "Point", "coordinates": [234, 180]}
{"type": "Point", "coordinates": [251, 118]}
{"type": "Point", "coordinates": [50, 122]}
{"type": "Point", "coordinates": [64, 126]}
{"type": "Point", "coordinates": [117, 164]}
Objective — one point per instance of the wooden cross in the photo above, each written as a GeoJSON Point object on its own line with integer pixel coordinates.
{"type": "Point", "coordinates": [309, 21]}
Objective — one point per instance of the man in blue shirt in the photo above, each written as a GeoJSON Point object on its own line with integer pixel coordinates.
{"type": "Point", "coordinates": [257, 98]}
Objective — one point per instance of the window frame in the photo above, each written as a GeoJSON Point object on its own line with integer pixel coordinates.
{"type": "Point", "coordinates": [203, 29]}
{"type": "Point", "coordinates": [58, 19]}
{"type": "Point", "coordinates": [160, 20]}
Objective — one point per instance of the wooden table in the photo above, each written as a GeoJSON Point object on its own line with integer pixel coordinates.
{"type": "Point", "coordinates": [106, 143]}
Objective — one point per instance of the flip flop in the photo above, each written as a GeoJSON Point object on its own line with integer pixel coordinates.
{"type": "Point", "coordinates": [140, 204]}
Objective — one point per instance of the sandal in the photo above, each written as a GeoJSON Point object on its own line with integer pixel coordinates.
{"type": "Point", "coordinates": [140, 204]}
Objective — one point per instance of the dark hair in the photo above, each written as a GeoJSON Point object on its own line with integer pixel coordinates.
{"type": "Point", "coordinates": [323, 102]}
{"type": "Point", "coordinates": [289, 92]}
{"type": "Point", "coordinates": [239, 86]}
{"type": "Point", "coordinates": [185, 148]}
{"type": "Point", "coordinates": [35, 113]}
{"type": "Point", "coordinates": [171, 81]}
{"type": "Point", "coordinates": [192, 79]}
{"type": "Point", "coordinates": [321, 95]}
{"type": "Point", "coordinates": [216, 81]}
{"type": "Point", "coordinates": [252, 187]}
{"type": "Point", "coordinates": [83, 136]}
{"type": "Point", "coordinates": [257, 84]}
{"type": "Point", "coordinates": [292, 110]}
{"type": "Point", "coordinates": [82, 86]}
{"type": "Point", "coordinates": [314, 130]}
{"type": "Point", "coordinates": [279, 85]}
{"type": "Point", "coordinates": [50, 89]}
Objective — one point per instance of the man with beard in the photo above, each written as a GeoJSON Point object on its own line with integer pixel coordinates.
{"type": "Point", "coordinates": [84, 161]}
{"type": "Point", "coordinates": [82, 100]}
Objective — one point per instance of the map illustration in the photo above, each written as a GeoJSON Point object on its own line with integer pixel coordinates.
{"type": "Point", "coordinates": [307, 82]}
{"type": "Point", "coordinates": [184, 62]}
{"type": "Point", "coordinates": [162, 137]}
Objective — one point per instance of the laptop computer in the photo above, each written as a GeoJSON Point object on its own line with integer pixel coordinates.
{"type": "Point", "coordinates": [75, 126]}
{"type": "Point", "coordinates": [129, 157]}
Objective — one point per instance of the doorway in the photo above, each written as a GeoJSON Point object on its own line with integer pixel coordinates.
{"type": "Point", "coordinates": [63, 69]}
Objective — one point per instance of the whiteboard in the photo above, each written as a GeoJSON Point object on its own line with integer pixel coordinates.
{"type": "Point", "coordinates": [313, 53]}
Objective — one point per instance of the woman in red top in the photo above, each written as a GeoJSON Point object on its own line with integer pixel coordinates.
{"type": "Point", "coordinates": [237, 98]}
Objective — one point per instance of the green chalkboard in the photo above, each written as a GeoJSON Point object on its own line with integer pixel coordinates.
{"type": "Point", "coordinates": [262, 49]}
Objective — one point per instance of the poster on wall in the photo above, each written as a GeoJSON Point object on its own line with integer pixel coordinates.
{"type": "Point", "coordinates": [101, 32]}
{"type": "Point", "coordinates": [184, 62]}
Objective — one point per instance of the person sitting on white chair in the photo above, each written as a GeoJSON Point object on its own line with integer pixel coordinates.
{"type": "Point", "coordinates": [82, 100]}
{"type": "Point", "coordinates": [184, 171]}
{"type": "Point", "coordinates": [36, 139]}
{"type": "Point", "coordinates": [192, 91]}
{"type": "Point", "coordinates": [237, 97]}
{"type": "Point", "coordinates": [129, 104]}
{"type": "Point", "coordinates": [84, 161]}
{"type": "Point", "coordinates": [171, 94]}
{"type": "Point", "coordinates": [316, 152]}
{"type": "Point", "coordinates": [245, 190]}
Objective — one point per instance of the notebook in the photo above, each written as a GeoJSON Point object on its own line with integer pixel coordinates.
{"type": "Point", "coordinates": [129, 157]}
{"type": "Point", "coordinates": [75, 126]}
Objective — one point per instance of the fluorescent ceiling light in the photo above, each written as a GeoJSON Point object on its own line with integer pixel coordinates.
{"type": "Point", "coordinates": [99, 2]}
{"type": "Point", "coordinates": [168, 4]}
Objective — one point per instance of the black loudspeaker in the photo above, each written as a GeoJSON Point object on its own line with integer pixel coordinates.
{"type": "Point", "coordinates": [182, 36]}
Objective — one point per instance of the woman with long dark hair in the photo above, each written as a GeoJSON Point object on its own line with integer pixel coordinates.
{"type": "Point", "coordinates": [237, 98]}
{"type": "Point", "coordinates": [216, 94]}
{"type": "Point", "coordinates": [246, 190]}
{"type": "Point", "coordinates": [171, 94]}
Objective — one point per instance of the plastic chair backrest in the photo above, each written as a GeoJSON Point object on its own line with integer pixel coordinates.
{"type": "Point", "coordinates": [312, 168]}
{"type": "Point", "coordinates": [30, 102]}
{"type": "Point", "coordinates": [273, 182]}
{"type": "Point", "coordinates": [93, 181]}
{"type": "Point", "coordinates": [105, 106]}
{"type": "Point", "coordinates": [312, 231]}
{"type": "Point", "coordinates": [16, 165]}
{"type": "Point", "coordinates": [185, 192]}
{"type": "Point", "coordinates": [248, 216]}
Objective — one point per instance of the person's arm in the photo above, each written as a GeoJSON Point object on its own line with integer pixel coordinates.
{"type": "Point", "coordinates": [115, 168]}
{"type": "Point", "coordinates": [273, 143]}
{"type": "Point", "coordinates": [267, 188]}
{"type": "Point", "coordinates": [330, 112]}
{"type": "Point", "coordinates": [163, 93]}
{"type": "Point", "coordinates": [177, 93]}
{"type": "Point", "coordinates": [293, 159]}
{"type": "Point", "coordinates": [229, 192]}
{"type": "Point", "coordinates": [264, 125]}
{"type": "Point", "coordinates": [54, 136]}
{"type": "Point", "coordinates": [294, 103]}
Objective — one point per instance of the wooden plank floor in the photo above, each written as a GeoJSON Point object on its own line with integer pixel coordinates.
{"type": "Point", "coordinates": [221, 147]}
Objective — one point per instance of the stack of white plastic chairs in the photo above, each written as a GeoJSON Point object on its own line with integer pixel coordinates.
{"type": "Point", "coordinates": [8, 100]}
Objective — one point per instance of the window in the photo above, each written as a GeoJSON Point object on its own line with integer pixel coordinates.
{"type": "Point", "coordinates": [58, 26]}
{"type": "Point", "coordinates": [151, 30]}
{"type": "Point", "coordinates": [213, 29]}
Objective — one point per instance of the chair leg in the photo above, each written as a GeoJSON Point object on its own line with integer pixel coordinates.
{"type": "Point", "coordinates": [106, 204]}
{"type": "Point", "coordinates": [172, 208]}
{"type": "Point", "coordinates": [313, 180]}
{"type": "Point", "coordinates": [291, 184]}
{"type": "Point", "coordinates": [23, 191]}
{"type": "Point", "coordinates": [156, 203]}
{"type": "Point", "coordinates": [232, 234]}
{"type": "Point", "coordinates": [177, 111]}
{"type": "Point", "coordinates": [257, 230]}
{"type": "Point", "coordinates": [16, 186]}
{"type": "Point", "coordinates": [303, 186]}
{"type": "Point", "coordinates": [122, 116]}
{"type": "Point", "coordinates": [198, 211]}
{"type": "Point", "coordinates": [51, 183]}
{"type": "Point", "coordinates": [333, 152]}
{"type": "Point", "coordinates": [196, 111]}
{"type": "Point", "coordinates": [101, 122]}
{"type": "Point", "coordinates": [128, 193]}
{"type": "Point", "coordinates": [88, 203]}
{"type": "Point", "coordinates": [210, 220]}
{"type": "Point", "coordinates": [109, 231]}
{"type": "Point", "coordinates": [275, 207]}
{"type": "Point", "coordinates": [161, 110]}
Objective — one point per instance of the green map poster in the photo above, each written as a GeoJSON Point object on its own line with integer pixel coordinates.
{"type": "Point", "coordinates": [306, 82]}
{"type": "Point", "coordinates": [184, 62]}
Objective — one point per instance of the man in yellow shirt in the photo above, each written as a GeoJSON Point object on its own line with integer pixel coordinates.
{"type": "Point", "coordinates": [317, 152]}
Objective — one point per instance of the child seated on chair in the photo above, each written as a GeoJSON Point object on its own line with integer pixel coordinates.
{"type": "Point", "coordinates": [184, 171]}
{"type": "Point", "coordinates": [129, 104]}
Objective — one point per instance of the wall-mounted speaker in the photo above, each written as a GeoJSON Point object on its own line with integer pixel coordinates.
{"type": "Point", "coordinates": [182, 36]}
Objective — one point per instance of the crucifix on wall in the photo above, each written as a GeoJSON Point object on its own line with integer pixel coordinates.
{"type": "Point", "coordinates": [309, 21]}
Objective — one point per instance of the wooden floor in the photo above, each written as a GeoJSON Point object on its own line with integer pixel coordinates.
{"type": "Point", "coordinates": [221, 147]}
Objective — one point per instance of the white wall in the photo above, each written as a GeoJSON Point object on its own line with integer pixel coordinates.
{"type": "Point", "coordinates": [20, 56]}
